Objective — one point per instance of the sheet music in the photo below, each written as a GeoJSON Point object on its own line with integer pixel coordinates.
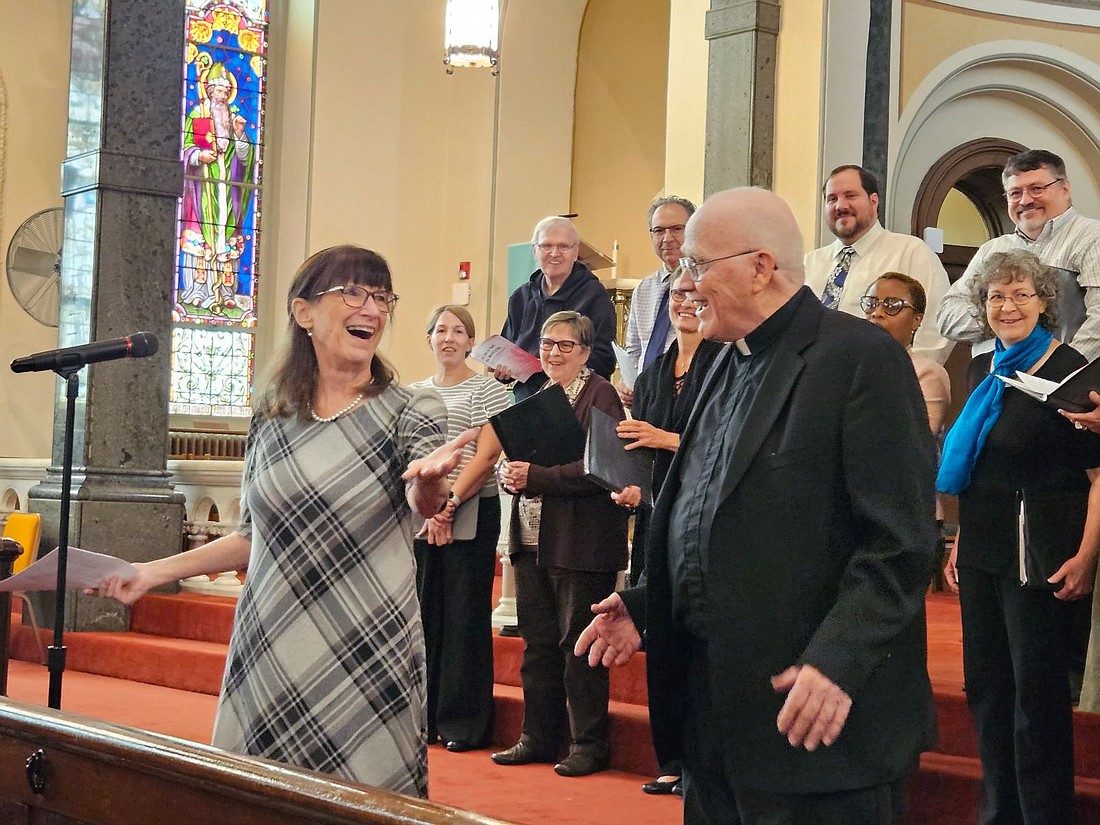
{"type": "Point", "coordinates": [496, 351]}
{"type": "Point", "coordinates": [84, 569]}
{"type": "Point", "coordinates": [628, 365]}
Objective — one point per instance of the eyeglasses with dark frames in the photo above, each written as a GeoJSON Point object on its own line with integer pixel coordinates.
{"type": "Point", "coordinates": [891, 306]}
{"type": "Point", "coordinates": [1036, 190]}
{"type": "Point", "coordinates": [659, 231]}
{"type": "Point", "coordinates": [356, 296]}
{"type": "Point", "coordinates": [697, 269]}
{"type": "Point", "coordinates": [564, 347]}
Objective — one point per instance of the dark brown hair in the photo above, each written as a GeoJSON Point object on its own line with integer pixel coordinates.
{"type": "Point", "coordinates": [295, 381]}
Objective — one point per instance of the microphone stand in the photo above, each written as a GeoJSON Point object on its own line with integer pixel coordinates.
{"type": "Point", "coordinates": [55, 655]}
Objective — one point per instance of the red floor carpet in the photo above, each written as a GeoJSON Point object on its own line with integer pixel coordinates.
{"type": "Point", "coordinates": [179, 642]}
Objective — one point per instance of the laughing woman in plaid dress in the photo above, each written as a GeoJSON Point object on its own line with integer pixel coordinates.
{"type": "Point", "coordinates": [326, 665]}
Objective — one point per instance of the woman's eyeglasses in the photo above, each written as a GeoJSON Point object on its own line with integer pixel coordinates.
{"type": "Point", "coordinates": [356, 296]}
{"type": "Point", "coordinates": [547, 344]}
{"type": "Point", "coordinates": [1020, 299]}
{"type": "Point", "coordinates": [891, 306]}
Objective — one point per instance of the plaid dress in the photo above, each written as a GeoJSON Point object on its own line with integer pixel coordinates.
{"type": "Point", "coordinates": [326, 665]}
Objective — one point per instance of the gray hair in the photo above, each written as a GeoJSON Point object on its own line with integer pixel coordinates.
{"type": "Point", "coordinates": [687, 205]}
{"type": "Point", "coordinates": [1015, 266]}
{"type": "Point", "coordinates": [554, 222]}
{"type": "Point", "coordinates": [580, 325]}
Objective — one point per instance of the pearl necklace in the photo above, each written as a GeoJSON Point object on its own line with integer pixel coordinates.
{"type": "Point", "coordinates": [338, 413]}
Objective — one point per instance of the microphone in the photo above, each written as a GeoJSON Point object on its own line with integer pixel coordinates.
{"type": "Point", "coordinates": [138, 345]}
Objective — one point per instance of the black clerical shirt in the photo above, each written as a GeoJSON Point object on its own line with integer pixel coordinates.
{"type": "Point", "coordinates": [739, 372]}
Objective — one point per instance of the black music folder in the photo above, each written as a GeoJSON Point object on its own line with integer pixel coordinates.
{"type": "Point", "coordinates": [1070, 394]}
{"type": "Point", "coordinates": [607, 461]}
{"type": "Point", "coordinates": [1050, 524]}
{"type": "Point", "coordinates": [541, 429]}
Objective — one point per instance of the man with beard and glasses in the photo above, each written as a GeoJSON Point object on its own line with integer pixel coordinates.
{"type": "Point", "coordinates": [1047, 225]}
{"type": "Point", "coordinates": [841, 273]}
{"type": "Point", "coordinates": [217, 156]}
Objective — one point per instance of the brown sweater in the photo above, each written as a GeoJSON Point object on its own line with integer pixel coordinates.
{"type": "Point", "coordinates": [581, 527]}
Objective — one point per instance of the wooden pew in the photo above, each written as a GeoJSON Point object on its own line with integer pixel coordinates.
{"type": "Point", "coordinates": [94, 773]}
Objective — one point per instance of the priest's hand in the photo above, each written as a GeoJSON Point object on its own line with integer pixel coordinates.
{"type": "Point", "coordinates": [612, 638]}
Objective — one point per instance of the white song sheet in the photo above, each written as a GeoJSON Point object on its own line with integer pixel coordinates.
{"type": "Point", "coordinates": [496, 351]}
{"type": "Point", "coordinates": [84, 569]}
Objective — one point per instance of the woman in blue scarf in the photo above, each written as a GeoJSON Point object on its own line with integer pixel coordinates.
{"type": "Point", "coordinates": [1006, 449]}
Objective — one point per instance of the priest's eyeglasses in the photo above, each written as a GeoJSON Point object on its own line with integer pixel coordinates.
{"type": "Point", "coordinates": [356, 296]}
{"type": "Point", "coordinates": [1035, 191]}
{"type": "Point", "coordinates": [1020, 299]}
{"type": "Point", "coordinates": [697, 269]}
{"type": "Point", "coordinates": [548, 344]}
{"type": "Point", "coordinates": [891, 306]}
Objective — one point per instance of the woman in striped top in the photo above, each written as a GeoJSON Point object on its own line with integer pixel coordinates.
{"type": "Point", "coordinates": [456, 556]}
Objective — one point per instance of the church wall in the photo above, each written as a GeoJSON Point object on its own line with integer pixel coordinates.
{"type": "Point", "coordinates": [619, 130]}
{"type": "Point", "coordinates": [34, 71]}
{"type": "Point", "coordinates": [686, 100]}
{"type": "Point", "coordinates": [798, 111]}
{"type": "Point", "coordinates": [932, 32]}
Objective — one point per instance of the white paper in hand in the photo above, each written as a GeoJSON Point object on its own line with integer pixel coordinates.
{"type": "Point", "coordinates": [496, 351]}
{"type": "Point", "coordinates": [84, 569]}
{"type": "Point", "coordinates": [628, 365]}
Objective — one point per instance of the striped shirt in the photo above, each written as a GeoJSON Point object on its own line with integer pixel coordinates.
{"type": "Point", "coordinates": [470, 403]}
{"type": "Point", "coordinates": [1069, 241]}
{"type": "Point", "coordinates": [644, 303]}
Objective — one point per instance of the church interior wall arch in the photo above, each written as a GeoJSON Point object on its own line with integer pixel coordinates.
{"type": "Point", "coordinates": [1027, 93]}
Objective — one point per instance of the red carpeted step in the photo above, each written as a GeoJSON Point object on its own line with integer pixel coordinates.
{"type": "Point", "coordinates": [185, 616]}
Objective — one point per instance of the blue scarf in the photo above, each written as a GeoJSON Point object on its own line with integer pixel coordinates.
{"type": "Point", "coordinates": [964, 442]}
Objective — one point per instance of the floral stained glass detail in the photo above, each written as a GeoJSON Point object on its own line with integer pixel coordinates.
{"type": "Point", "coordinates": [224, 89]}
{"type": "Point", "coordinates": [211, 372]}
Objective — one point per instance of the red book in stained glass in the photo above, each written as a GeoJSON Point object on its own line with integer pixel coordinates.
{"type": "Point", "coordinates": [202, 132]}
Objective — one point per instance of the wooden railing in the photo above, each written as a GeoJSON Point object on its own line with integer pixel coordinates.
{"type": "Point", "coordinates": [62, 770]}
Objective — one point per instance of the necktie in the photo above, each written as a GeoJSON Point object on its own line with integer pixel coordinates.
{"type": "Point", "coordinates": [831, 296]}
{"type": "Point", "coordinates": [661, 326]}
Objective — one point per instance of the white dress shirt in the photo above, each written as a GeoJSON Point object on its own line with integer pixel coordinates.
{"type": "Point", "coordinates": [1069, 241]}
{"type": "Point", "coordinates": [644, 303]}
{"type": "Point", "coordinates": [877, 252]}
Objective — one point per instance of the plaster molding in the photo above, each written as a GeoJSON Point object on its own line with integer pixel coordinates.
{"type": "Point", "coordinates": [1080, 13]}
{"type": "Point", "coordinates": [1060, 84]}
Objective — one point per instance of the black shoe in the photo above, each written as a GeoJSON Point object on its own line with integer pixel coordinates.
{"type": "Point", "coordinates": [521, 753]}
{"type": "Point", "coordinates": [581, 763]}
{"type": "Point", "coordinates": [678, 788]}
{"type": "Point", "coordinates": [461, 746]}
{"type": "Point", "coordinates": [508, 630]}
{"type": "Point", "coordinates": [657, 787]}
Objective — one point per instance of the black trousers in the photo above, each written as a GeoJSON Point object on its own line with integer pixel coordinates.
{"type": "Point", "coordinates": [561, 693]}
{"type": "Point", "coordinates": [1016, 646]}
{"type": "Point", "coordinates": [455, 585]}
{"type": "Point", "coordinates": [712, 795]}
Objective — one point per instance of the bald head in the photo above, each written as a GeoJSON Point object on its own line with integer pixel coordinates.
{"type": "Point", "coordinates": [755, 218]}
{"type": "Point", "coordinates": [749, 254]}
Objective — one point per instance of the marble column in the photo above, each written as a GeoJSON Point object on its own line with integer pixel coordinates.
{"type": "Point", "coordinates": [121, 180]}
{"type": "Point", "coordinates": [876, 95]}
{"type": "Point", "coordinates": [740, 93]}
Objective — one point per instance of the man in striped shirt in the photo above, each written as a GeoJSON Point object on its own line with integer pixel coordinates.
{"type": "Point", "coordinates": [1038, 195]}
{"type": "Point", "coordinates": [649, 302]}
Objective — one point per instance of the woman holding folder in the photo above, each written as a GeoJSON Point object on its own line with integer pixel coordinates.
{"type": "Point", "coordinates": [1026, 480]}
{"type": "Point", "coordinates": [567, 545]}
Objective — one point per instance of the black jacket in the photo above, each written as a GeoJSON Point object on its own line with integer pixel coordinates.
{"type": "Point", "coordinates": [529, 307]}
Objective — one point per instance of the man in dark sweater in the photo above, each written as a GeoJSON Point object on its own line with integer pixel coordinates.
{"type": "Point", "coordinates": [561, 282]}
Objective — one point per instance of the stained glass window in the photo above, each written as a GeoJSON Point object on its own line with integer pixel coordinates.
{"type": "Point", "coordinates": [219, 214]}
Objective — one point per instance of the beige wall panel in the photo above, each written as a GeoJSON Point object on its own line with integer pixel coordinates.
{"type": "Point", "coordinates": [931, 33]}
{"type": "Point", "coordinates": [798, 127]}
{"type": "Point", "coordinates": [686, 105]}
{"type": "Point", "coordinates": [619, 131]}
{"type": "Point", "coordinates": [34, 69]}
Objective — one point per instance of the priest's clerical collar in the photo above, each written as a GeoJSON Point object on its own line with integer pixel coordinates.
{"type": "Point", "coordinates": [771, 329]}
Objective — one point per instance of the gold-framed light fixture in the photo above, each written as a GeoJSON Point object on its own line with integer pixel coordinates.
{"type": "Point", "coordinates": [472, 35]}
